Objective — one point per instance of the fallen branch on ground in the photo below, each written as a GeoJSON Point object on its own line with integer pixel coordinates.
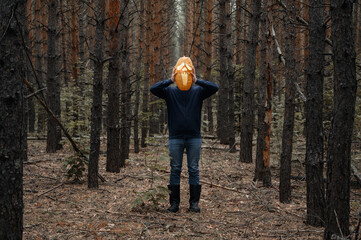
{"type": "Point", "coordinates": [57, 186]}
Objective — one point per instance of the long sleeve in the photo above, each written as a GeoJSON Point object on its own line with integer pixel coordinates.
{"type": "Point", "coordinates": [158, 89]}
{"type": "Point", "coordinates": [209, 88]}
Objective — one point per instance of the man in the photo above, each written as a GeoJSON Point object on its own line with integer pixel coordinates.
{"type": "Point", "coordinates": [184, 123]}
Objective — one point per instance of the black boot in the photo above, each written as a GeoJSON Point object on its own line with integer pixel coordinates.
{"type": "Point", "coordinates": [174, 198]}
{"type": "Point", "coordinates": [195, 193]}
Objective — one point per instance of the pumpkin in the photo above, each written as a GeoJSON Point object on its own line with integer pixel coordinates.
{"type": "Point", "coordinates": [183, 73]}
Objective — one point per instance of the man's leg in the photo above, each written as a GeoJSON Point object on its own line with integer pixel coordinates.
{"type": "Point", "coordinates": [193, 146]}
{"type": "Point", "coordinates": [176, 149]}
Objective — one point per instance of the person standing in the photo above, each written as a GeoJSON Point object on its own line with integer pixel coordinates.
{"type": "Point", "coordinates": [184, 123]}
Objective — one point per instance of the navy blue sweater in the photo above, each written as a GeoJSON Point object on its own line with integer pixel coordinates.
{"type": "Point", "coordinates": [184, 107]}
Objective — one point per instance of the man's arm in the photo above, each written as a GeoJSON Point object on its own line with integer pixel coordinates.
{"type": "Point", "coordinates": [209, 88]}
{"type": "Point", "coordinates": [158, 89]}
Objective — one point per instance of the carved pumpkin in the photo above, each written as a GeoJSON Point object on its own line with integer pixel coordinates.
{"type": "Point", "coordinates": [183, 73]}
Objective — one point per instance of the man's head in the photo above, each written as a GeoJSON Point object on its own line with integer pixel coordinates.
{"type": "Point", "coordinates": [183, 73]}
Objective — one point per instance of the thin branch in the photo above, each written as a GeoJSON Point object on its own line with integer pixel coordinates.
{"type": "Point", "coordinates": [338, 224]}
{"type": "Point", "coordinates": [8, 25]}
{"type": "Point", "coordinates": [57, 186]}
{"type": "Point", "coordinates": [34, 93]}
{"type": "Point", "coordinates": [281, 57]}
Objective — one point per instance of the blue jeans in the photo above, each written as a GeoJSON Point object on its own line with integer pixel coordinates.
{"type": "Point", "coordinates": [176, 149]}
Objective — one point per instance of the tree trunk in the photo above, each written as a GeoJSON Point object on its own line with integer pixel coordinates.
{"type": "Point", "coordinates": [239, 28]}
{"type": "Point", "coordinates": [230, 77]}
{"type": "Point", "coordinates": [12, 131]}
{"type": "Point", "coordinates": [76, 88]}
{"type": "Point", "coordinates": [307, 38]}
{"type": "Point", "coordinates": [339, 144]}
{"type": "Point", "coordinates": [28, 36]}
{"type": "Point", "coordinates": [208, 60]}
{"type": "Point", "coordinates": [225, 115]}
{"type": "Point", "coordinates": [125, 85]}
{"type": "Point", "coordinates": [74, 41]}
{"type": "Point", "coordinates": [153, 64]}
{"type": "Point", "coordinates": [163, 60]}
{"type": "Point", "coordinates": [53, 81]}
{"type": "Point", "coordinates": [359, 28]}
{"type": "Point", "coordinates": [247, 18]}
{"type": "Point", "coordinates": [82, 38]}
{"type": "Point", "coordinates": [138, 77]}
{"type": "Point", "coordinates": [197, 35]}
{"type": "Point", "coordinates": [247, 111]}
{"type": "Point", "coordinates": [356, 24]}
{"type": "Point", "coordinates": [31, 111]}
{"type": "Point", "coordinates": [314, 108]}
{"type": "Point", "coordinates": [63, 43]}
{"type": "Point", "coordinates": [96, 117]}
{"type": "Point", "coordinates": [113, 128]}
{"type": "Point", "coordinates": [289, 113]}
{"type": "Point", "coordinates": [38, 64]}
{"type": "Point", "coordinates": [222, 111]}
{"type": "Point", "coordinates": [189, 11]}
{"type": "Point", "coordinates": [263, 171]}
{"type": "Point", "coordinates": [268, 117]}
{"type": "Point", "coordinates": [259, 166]}
{"type": "Point", "coordinates": [157, 39]}
{"type": "Point", "coordinates": [147, 45]}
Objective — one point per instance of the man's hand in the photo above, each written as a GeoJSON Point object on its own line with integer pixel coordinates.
{"type": "Point", "coordinates": [194, 78]}
{"type": "Point", "coordinates": [173, 75]}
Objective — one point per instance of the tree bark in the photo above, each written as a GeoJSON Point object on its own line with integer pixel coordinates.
{"type": "Point", "coordinates": [239, 28]}
{"type": "Point", "coordinates": [289, 113]}
{"type": "Point", "coordinates": [259, 166]}
{"type": "Point", "coordinates": [230, 78]}
{"type": "Point", "coordinates": [154, 53]}
{"type": "Point", "coordinates": [208, 59]}
{"type": "Point", "coordinates": [28, 37]}
{"type": "Point", "coordinates": [247, 111]}
{"type": "Point", "coordinates": [53, 81]}
{"type": "Point", "coordinates": [268, 117]}
{"type": "Point", "coordinates": [359, 27]}
{"type": "Point", "coordinates": [157, 38]}
{"type": "Point", "coordinates": [38, 64]}
{"type": "Point", "coordinates": [189, 11]}
{"type": "Point", "coordinates": [222, 109]}
{"type": "Point", "coordinates": [82, 38]}
{"type": "Point", "coordinates": [96, 117]}
{"type": "Point", "coordinates": [314, 108]}
{"type": "Point", "coordinates": [125, 85]}
{"type": "Point", "coordinates": [64, 56]}
{"type": "Point", "coordinates": [225, 115]}
{"type": "Point", "coordinates": [339, 144]}
{"type": "Point", "coordinates": [197, 35]}
{"type": "Point", "coordinates": [146, 82]}
{"type": "Point", "coordinates": [74, 41]}
{"type": "Point", "coordinates": [138, 76]}
{"type": "Point", "coordinates": [12, 131]}
{"type": "Point", "coordinates": [113, 127]}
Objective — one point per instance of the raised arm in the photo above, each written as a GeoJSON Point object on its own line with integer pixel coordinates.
{"type": "Point", "coordinates": [158, 89]}
{"type": "Point", "coordinates": [209, 88]}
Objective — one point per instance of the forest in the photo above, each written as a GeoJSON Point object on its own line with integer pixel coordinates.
{"type": "Point", "coordinates": [84, 143]}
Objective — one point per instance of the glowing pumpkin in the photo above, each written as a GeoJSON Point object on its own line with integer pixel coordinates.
{"type": "Point", "coordinates": [183, 73]}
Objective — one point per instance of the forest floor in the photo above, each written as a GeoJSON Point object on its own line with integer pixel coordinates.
{"type": "Point", "coordinates": [248, 211]}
